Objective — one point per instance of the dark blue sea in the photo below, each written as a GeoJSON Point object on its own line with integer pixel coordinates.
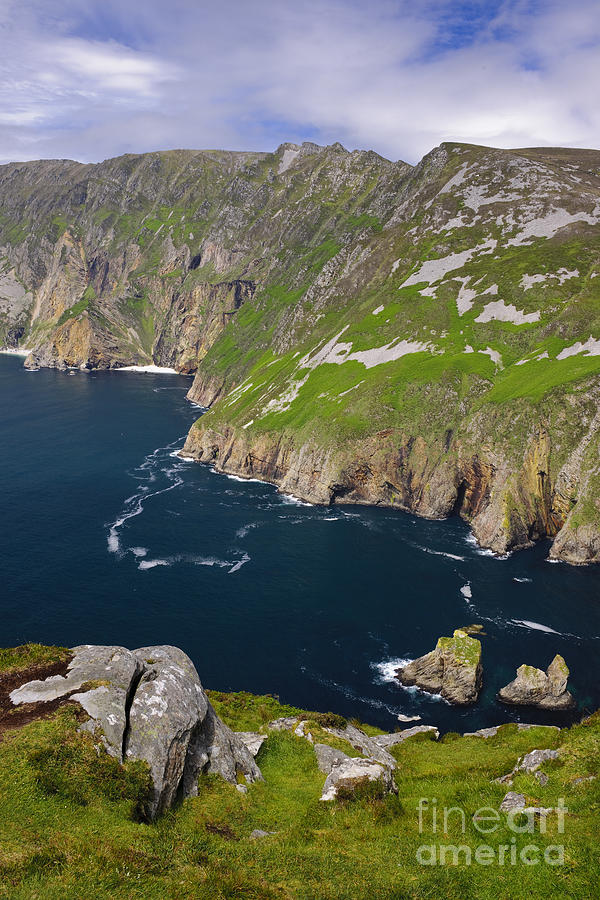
{"type": "Point", "coordinates": [107, 537]}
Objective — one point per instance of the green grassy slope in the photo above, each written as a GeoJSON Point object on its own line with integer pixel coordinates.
{"type": "Point", "coordinates": [69, 828]}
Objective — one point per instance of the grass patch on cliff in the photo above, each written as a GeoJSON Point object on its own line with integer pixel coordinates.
{"type": "Point", "coordinates": [539, 377]}
{"type": "Point", "coordinates": [12, 659]}
{"type": "Point", "coordinates": [74, 311]}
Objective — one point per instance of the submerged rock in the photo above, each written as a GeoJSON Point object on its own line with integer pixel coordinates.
{"type": "Point", "coordinates": [533, 687]}
{"type": "Point", "coordinates": [453, 669]}
{"type": "Point", "coordinates": [149, 704]}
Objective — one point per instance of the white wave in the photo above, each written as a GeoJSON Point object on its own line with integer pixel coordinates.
{"type": "Point", "coordinates": [484, 551]}
{"type": "Point", "coordinates": [290, 500]}
{"type": "Point", "coordinates": [243, 531]}
{"type": "Point", "coordinates": [238, 477]}
{"type": "Point", "coordinates": [349, 693]}
{"type": "Point", "coordinates": [152, 563]}
{"type": "Point", "coordinates": [387, 674]}
{"type": "Point", "coordinates": [442, 553]}
{"type": "Point", "coordinates": [466, 592]}
{"type": "Point", "coordinates": [114, 543]}
{"type": "Point", "coordinates": [210, 561]}
{"type": "Point", "coordinates": [332, 519]}
{"type": "Point", "coordinates": [134, 505]}
{"type": "Point", "coordinates": [437, 552]}
{"type": "Point", "coordinates": [152, 370]}
{"type": "Point", "coordinates": [238, 565]}
{"type": "Point", "coordinates": [387, 670]}
{"type": "Point", "coordinates": [182, 459]}
{"type": "Point", "coordinates": [139, 551]}
{"type": "Point", "coordinates": [522, 580]}
{"type": "Point", "coordinates": [525, 623]}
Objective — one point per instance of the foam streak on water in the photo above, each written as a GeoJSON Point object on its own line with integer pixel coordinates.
{"type": "Point", "coordinates": [147, 472]}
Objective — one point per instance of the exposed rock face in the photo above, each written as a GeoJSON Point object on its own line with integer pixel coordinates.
{"type": "Point", "coordinates": [453, 669]}
{"type": "Point", "coordinates": [511, 801]}
{"type": "Point", "coordinates": [533, 687]}
{"type": "Point", "coordinates": [150, 705]}
{"type": "Point", "coordinates": [492, 731]}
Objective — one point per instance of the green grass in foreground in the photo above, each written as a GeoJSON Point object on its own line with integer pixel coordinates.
{"type": "Point", "coordinates": [69, 828]}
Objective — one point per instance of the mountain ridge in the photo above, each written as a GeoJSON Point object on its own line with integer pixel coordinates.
{"type": "Point", "coordinates": [425, 337]}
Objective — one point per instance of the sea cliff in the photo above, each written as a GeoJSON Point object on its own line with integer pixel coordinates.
{"type": "Point", "coordinates": [424, 337]}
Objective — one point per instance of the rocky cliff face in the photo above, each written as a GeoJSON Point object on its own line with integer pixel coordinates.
{"type": "Point", "coordinates": [363, 331]}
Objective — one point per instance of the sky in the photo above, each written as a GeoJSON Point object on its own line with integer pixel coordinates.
{"type": "Point", "coordinates": [91, 79]}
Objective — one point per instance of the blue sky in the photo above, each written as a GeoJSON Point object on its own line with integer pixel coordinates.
{"type": "Point", "coordinates": [88, 79]}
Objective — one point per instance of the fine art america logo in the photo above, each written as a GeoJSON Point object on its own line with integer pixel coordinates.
{"type": "Point", "coordinates": [509, 848]}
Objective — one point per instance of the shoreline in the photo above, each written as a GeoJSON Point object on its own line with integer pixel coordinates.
{"type": "Point", "coordinates": [15, 351]}
{"type": "Point", "coordinates": [150, 369]}
{"type": "Point", "coordinates": [483, 551]}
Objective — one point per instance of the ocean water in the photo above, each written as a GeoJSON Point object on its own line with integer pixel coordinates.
{"type": "Point", "coordinates": [107, 537]}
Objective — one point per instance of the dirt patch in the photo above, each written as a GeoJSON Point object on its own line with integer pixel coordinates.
{"type": "Point", "coordinates": [11, 716]}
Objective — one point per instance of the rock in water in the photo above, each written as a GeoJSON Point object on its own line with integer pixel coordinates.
{"type": "Point", "coordinates": [149, 704]}
{"type": "Point", "coordinates": [453, 669]}
{"type": "Point", "coordinates": [533, 687]}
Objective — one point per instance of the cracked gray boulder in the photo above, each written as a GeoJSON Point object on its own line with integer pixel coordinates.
{"type": "Point", "coordinates": [149, 704]}
{"type": "Point", "coordinates": [108, 673]}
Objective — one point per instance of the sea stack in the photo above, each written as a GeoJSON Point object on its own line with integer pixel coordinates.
{"type": "Point", "coordinates": [453, 669]}
{"type": "Point", "coordinates": [533, 687]}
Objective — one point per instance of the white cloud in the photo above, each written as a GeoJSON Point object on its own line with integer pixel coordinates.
{"type": "Point", "coordinates": [89, 79]}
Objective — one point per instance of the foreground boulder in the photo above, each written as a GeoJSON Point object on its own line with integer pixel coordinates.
{"type": "Point", "coordinates": [149, 704]}
{"type": "Point", "coordinates": [533, 687]}
{"type": "Point", "coordinates": [453, 669]}
{"type": "Point", "coordinates": [347, 773]}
